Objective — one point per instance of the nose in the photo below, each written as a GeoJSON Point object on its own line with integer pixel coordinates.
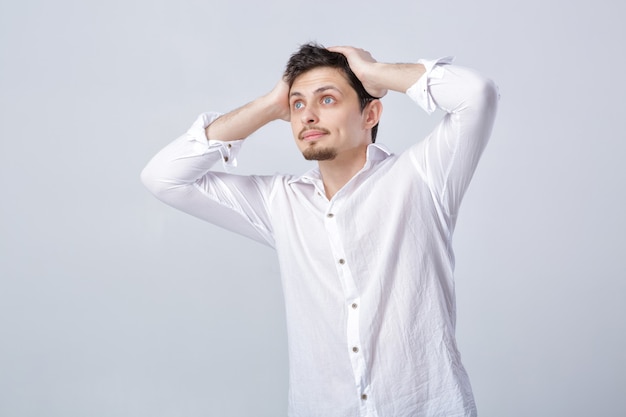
{"type": "Point", "coordinates": [309, 116]}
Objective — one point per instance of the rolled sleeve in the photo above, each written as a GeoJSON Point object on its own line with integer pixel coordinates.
{"type": "Point", "coordinates": [420, 91]}
{"type": "Point", "coordinates": [228, 150]}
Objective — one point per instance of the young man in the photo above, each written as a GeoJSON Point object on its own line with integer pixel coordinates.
{"type": "Point", "coordinates": [363, 240]}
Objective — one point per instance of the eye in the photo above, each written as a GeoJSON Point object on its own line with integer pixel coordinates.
{"type": "Point", "coordinates": [328, 100]}
{"type": "Point", "coordinates": [298, 105]}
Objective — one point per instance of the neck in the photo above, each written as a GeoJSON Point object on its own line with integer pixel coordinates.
{"type": "Point", "coordinates": [337, 172]}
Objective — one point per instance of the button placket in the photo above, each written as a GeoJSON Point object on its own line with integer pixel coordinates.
{"type": "Point", "coordinates": [354, 345]}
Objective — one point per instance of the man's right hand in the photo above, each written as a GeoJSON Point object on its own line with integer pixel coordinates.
{"type": "Point", "coordinates": [242, 122]}
{"type": "Point", "coordinates": [279, 100]}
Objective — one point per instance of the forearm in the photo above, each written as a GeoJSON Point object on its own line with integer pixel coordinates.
{"type": "Point", "coordinates": [242, 122]}
{"type": "Point", "coordinates": [188, 158]}
{"type": "Point", "coordinates": [182, 176]}
{"type": "Point", "coordinates": [454, 89]}
{"type": "Point", "coordinates": [378, 77]}
{"type": "Point", "coordinates": [396, 77]}
{"type": "Point", "coordinates": [182, 162]}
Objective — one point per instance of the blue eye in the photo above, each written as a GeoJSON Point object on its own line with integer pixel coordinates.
{"type": "Point", "coordinates": [328, 100]}
{"type": "Point", "coordinates": [298, 105]}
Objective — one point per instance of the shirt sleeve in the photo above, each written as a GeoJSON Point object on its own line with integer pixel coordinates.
{"type": "Point", "coordinates": [181, 176]}
{"type": "Point", "coordinates": [447, 158]}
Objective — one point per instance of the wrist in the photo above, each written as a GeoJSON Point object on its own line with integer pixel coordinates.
{"type": "Point", "coordinates": [374, 78]}
{"type": "Point", "coordinates": [275, 105]}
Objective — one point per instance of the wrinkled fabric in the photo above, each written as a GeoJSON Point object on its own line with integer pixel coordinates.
{"type": "Point", "coordinates": [367, 275]}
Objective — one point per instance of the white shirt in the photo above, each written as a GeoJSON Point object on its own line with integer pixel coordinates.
{"type": "Point", "coordinates": [367, 275]}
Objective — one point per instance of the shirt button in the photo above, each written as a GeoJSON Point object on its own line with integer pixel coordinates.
{"type": "Point", "coordinates": [225, 159]}
{"type": "Point", "coordinates": [230, 145]}
{"type": "Point", "coordinates": [330, 215]}
{"type": "Point", "coordinates": [364, 397]}
{"type": "Point", "coordinates": [342, 261]}
{"type": "Point", "coordinates": [355, 349]}
{"type": "Point", "coordinates": [354, 305]}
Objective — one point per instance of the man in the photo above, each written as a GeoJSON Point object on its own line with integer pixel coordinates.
{"type": "Point", "coordinates": [363, 240]}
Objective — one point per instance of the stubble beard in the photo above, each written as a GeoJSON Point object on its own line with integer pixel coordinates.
{"type": "Point", "coordinates": [314, 153]}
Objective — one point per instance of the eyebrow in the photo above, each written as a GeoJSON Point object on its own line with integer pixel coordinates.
{"type": "Point", "coordinates": [318, 91]}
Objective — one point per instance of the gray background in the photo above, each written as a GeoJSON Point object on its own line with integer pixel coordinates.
{"type": "Point", "coordinates": [112, 304]}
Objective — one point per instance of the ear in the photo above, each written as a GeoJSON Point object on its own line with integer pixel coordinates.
{"type": "Point", "coordinates": [371, 113]}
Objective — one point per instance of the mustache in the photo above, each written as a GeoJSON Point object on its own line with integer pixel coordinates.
{"type": "Point", "coordinates": [308, 128]}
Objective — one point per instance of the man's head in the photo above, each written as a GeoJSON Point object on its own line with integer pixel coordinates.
{"type": "Point", "coordinates": [314, 61]}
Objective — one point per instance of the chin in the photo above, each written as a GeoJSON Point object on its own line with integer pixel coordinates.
{"type": "Point", "coordinates": [319, 154]}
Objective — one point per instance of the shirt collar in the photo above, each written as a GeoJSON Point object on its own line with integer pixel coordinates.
{"type": "Point", "coordinates": [374, 152]}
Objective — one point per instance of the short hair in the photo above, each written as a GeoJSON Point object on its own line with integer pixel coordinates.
{"type": "Point", "coordinates": [311, 56]}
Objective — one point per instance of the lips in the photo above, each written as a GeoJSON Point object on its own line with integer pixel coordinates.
{"type": "Point", "coordinates": [309, 135]}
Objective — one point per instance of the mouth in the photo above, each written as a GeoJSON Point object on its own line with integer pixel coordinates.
{"type": "Point", "coordinates": [310, 135]}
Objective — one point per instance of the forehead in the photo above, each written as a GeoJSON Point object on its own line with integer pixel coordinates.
{"type": "Point", "coordinates": [310, 81]}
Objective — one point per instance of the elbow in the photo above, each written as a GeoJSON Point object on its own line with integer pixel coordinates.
{"type": "Point", "coordinates": [487, 94]}
{"type": "Point", "coordinates": [491, 92]}
{"type": "Point", "coordinates": [162, 183]}
{"type": "Point", "coordinates": [151, 180]}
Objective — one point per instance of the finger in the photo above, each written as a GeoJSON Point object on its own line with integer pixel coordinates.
{"type": "Point", "coordinates": [341, 49]}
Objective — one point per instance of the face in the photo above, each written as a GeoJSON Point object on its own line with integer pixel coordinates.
{"type": "Point", "coordinates": [326, 117]}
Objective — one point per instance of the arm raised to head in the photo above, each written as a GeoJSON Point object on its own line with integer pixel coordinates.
{"type": "Point", "coordinates": [242, 122]}
{"type": "Point", "coordinates": [378, 77]}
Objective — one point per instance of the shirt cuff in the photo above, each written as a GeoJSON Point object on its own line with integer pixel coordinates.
{"type": "Point", "coordinates": [420, 91]}
{"type": "Point", "coordinates": [228, 150]}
